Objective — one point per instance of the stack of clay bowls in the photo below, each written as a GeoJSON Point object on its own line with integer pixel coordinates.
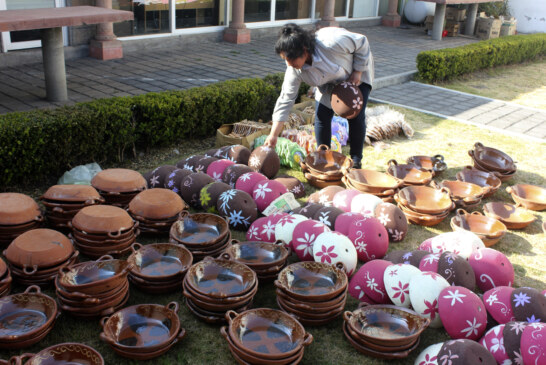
{"type": "Point", "coordinates": [464, 194]}
{"type": "Point", "coordinates": [433, 164]}
{"type": "Point", "coordinates": [143, 331]}
{"type": "Point", "coordinates": [62, 202]}
{"type": "Point", "coordinates": [156, 210]}
{"type": "Point", "coordinates": [62, 353]}
{"type": "Point", "coordinates": [103, 230]}
{"type": "Point", "coordinates": [486, 180]}
{"type": "Point", "coordinates": [159, 267]}
{"type": "Point", "coordinates": [424, 205]}
{"type": "Point", "coordinates": [529, 196]}
{"type": "Point", "coordinates": [93, 288]}
{"type": "Point", "coordinates": [214, 286]}
{"type": "Point", "coordinates": [267, 259]}
{"type": "Point", "coordinates": [314, 292]}
{"type": "Point", "coordinates": [511, 216]}
{"type": "Point", "coordinates": [18, 213]}
{"type": "Point", "coordinates": [118, 186]}
{"type": "Point", "coordinates": [36, 256]}
{"type": "Point", "coordinates": [373, 182]}
{"type": "Point", "coordinates": [490, 230]}
{"type": "Point", "coordinates": [325, 167]}
{"type": "Point", "coordinates": [26, 318]}
{"type": "Point", "coordinates": [265, 336]}
{"type": "Point", "coordinates": [5, 278]}
{"type": "Point", "coordinates": [384, 331]}
{"type": "Point", "coordinates": [492, 160]}
{"type": "Point", "coordinates": [410, 174]}
{"type": "Point", "coordinates": [203, 234]}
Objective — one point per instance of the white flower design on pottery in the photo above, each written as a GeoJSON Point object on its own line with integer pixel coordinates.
{"type": "Point", "coordinates": [286, 219]}
{"type": "Point", "coordinates": [430, 258]}
{"type": "Point", "coordinates": [324, 218]}
{"type": "Point", "coordinates": [306, 244]}
{"type": "Point", "coordinates": [521, 299]}
{"type": "Point", "coordinates": [360, 246]}
{"type": "Point", "coordinates": [455, 296]}
{"type": "Point", "coordinates": [296, 189]}
{"type": "Point", "coordinates": [245, 177]}
{"type": "Point", "coordinates": [472, 328]}
{"type": "Point", "coordinates": [447, 358]}
{"type": "Point", "coordinates": [518, 358]}
{"type": "Point", "coordinates": [492, 299]}
{"type": "Point", "coordinates": [396, 236]}
{"type": "Point", "coordinates": [253, 232]}
{"type": "Point", "coordinates": [518, 327]}
{"type": "Point", "coordinates": [217, 176]}
{"type": "Point", "coordinates": [323, 199]}
{"type": "Point", "coordinates": [357, 103]}
{"type": "Point", "coordinates": [187, 167]}
{"type": "Point", "coordinates": [407, 256]}
{"type": "Point", "coordinates": [261, 191]}
{"type": "Point", "coordinates": [370, 283]}
{"type": "Point", "coordinates": [361, 291]}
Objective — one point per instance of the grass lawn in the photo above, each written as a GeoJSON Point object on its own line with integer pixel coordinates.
{"type": "Point", "coordinates": [204, 345]}
{"type": "Point", "coordinates": [524, 84]}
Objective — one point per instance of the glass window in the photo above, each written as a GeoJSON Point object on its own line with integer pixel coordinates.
{"type": "Point", "coordinates": [27, 35]}
{"type": "Point", "coordinates": [199, 13]}
{"type": "Point", "coordinates": [257, 11]}
{"type": "Point", "coordinates": [363, 8]}
{"type": "Point", "coordinates": [339, 9]}
{"type": "Point", "coordinates": [292, 9]}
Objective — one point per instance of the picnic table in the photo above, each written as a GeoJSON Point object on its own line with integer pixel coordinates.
{"type": "Point", "coordinates": [440, 13]}
{"type": "Point", "coordinates": [50, 22]}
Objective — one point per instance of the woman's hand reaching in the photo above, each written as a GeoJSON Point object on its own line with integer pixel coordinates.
{"type": "Point", "coordinates": [355, 78]}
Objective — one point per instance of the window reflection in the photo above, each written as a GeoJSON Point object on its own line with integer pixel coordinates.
{"type": "Point", "coordinates": [292, 9]}
{"type": "Point", "coordinates": [257, 10]}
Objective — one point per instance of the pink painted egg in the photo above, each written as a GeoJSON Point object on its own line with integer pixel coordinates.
{"type": "Point", "coordinates": [396, 279]}
{"type": "Point", "coordinates": [365, 204]}
{"type": "Point", "coordinates": [462, 313]}
{"type": "Point", "coordinates": [304, 236]}
{"type": "Point", "coordinates": [493, 341]}
{"type": "Point", "coordinates": [492, 268]}
{"type": "Point", "coordinates": [284, 228]}
{"type": "Point", "coordinates": [429, 356]}
{"type": "Point", "coordinates": [462, 243]}
{"type": "Point", "coordinates": [533, 344]}
{"type": "Point", "coordinates": [345, 220]}
{"type": "Point", "coordinates": [265, 192]}
{"type": "Point", "coordinates": [216, 168]}
{"type": "Point", "coordinates": [370, 238]}
{"type": "Point", "coordinates": [498, 304]}
{"type": "Point", "coordinates": [430, 262]}
{"type": "Point", "coordinates": [263, 229]}
{"type": "Point", "coordinates": [343, 199]}
{"type": "Point", "coordinates": [424, 291]}
{"type": "Point", "coordinates": [247, 181]}
{"type": "Point", "coordinates": [369, 278]}
{"type": "Point", "coordinates": [333, 248]}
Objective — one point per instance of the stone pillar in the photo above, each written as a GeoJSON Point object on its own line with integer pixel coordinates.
{"type": "Point", "coordinates": [54, 67]}
{"type": "Point", "coordinates": [237, 32]}
{"type": "Point", "coordinates": [105, 45]}
{"type": "Point", "coordinates": [470, 23]}
{"type": "Point", "coordinates": [328, 19]}
{"type": "Point", "coordinates": [438, 25]}
{"type": "Point", "coordinates": [392, 19]}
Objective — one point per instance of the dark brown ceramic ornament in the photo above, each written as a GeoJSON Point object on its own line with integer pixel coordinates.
{"type": "Point", "coordinates": [238, 207]}
{"type": "Point", "coordinates": [157, 177]}
{"type": "Point", "coordinates": [528, 305]}
{"type": "Point", "coordinates": [239, 154]}
{"type": "Point", "coordinates": [191, 186]}
{"type": "Point", "coordinates": [189, 162]}
{"type": "Point", "coordinates": [265, 160]}
{"type": "Point", "coordinates": [293, 185]}
{"type": "Point", "coordinates": [309, 210]}
{"type": "Point", "coordinates": [233, 172]}
{"type": "Point", "coordinates": [328, 216]}
{"type": "Point", "coordinates": [393, 219]}
{"type": "Point", "coordinates": [413, 257]}
{"type": "Point", "coordinates": [202, 164]}
{"type": "Point", "coordinates": [395, 256]}
{"type": "Point", "coordinates": [208, 196]}
{"type": "Point", "coordinates": [465, 352]}
{"type": "Point", "coordinates": [512, 339]}
{"type": "Point", "coordinates": [456, 270]}
{"type": "Point", "coordinates": [174, 179]}
{"type": "Point", "coordinates": [347, 100]}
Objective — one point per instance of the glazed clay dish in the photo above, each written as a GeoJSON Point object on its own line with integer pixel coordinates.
{"type": "Point", "coordinates": [529, 196]}
{"type": "Point", "coordinates": [424, 199]}
{"type": "Point", "coordinates": [493, 158]}
{"type": "Point", "coordinates": [65, 353]}
{"type": "Point", "coordinates": [481, 178]}
{"type": "Point", "coordinates": [435, 163]}
{"type": "Point", "coordinates": [409, 173]}
{"type": "Point", "coordinates": [159, 261]}
{"type": "Point", "coordinates": [513, 217]}
{"type": "Point", "coordinates": [258, 255]}
{"type": "Point", "coordinates": [490, 230]}
{"type": "Point", "coordinates": [469, 193]}
{"type": "Point", "coordinates": [93, 277]}
{"type": "Point", "coordinates": [372, 180]}
{"type": "Point", "coordinates": [327, 162]}
{"type": "Point", "coordinates": [199, 229]}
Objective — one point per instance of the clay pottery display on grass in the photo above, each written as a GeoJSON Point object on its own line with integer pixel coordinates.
{"type": "Point", "coordinates": [493, 159]}
{"type": "Point", "coordinates": [481, 178]}
{"type": "Point", "coordinates": [156, 204]}
{"type": "Point", "coordinates": [17, 209]}
{"type": "Point", "coordinates": [462, 192]}
{"type": "Point", "coordinates": [424, 199]}
{"type": "Point", "coordinates": [63, 353]}
{"type": "Point", "coordinates": [320, 183]}
{"type": "Point", "coordinates": [410, 174]}
{"type": "Point", "coordinates": [159, 262]}
{"type": "Point", "coordinates": [324, 161]}
{"type": "Point", "coordinates": [103, 219]}
{"type": "Point", "coordinates": [490, 230]}
{"type": "Point", "coordinates": [258, 255]}
{"type": "Point", "coordinates": [529, 196]}
{"type": "Point", "coordinates": [371, 181]}
{"type": "Point", "coordinates": [511, 216]}
{"type": "Point", "coordinates": [199, 230]}
{"type": "Point", "coordinates": [434, 163]}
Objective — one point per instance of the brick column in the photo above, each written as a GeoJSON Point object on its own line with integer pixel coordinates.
{"type": "Point", "coordinates": [392, 19]}
{"type": "Point", "coordinates": [237, 32]}
{"type": "Point", "coordinates": [105, 45]}
{"type": "Point", "coordinates": [328, 19]}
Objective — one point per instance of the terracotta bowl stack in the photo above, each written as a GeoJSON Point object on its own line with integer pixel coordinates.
{"type": "Point", "coordinates": [159, 267]}
{"type": "Point", "coordinates": [464, 194]}
{"type": "Point", "coordinates": [529, 196]}
{"type": "Point", "coordinates": [511, 216]}
{"type": "Point", "coordinates": [62, 353]}
{"type": "Point", "coordinates": [62, 202]}
{"type": "Point", "coordinates": [373, 182]}
{"type": "Point", "coordinates": [93, 288]}
{"type": "Point", "coordinates": [486, 180]}
{"type": "Point", "coordinates": [314, 292]}
{"type": "Point", "coordinates": [18, 213]}
{"type": "Point", "coordinates": [433, 164]}
{"type": "Point", "coordinates": [5, 278]}
{"type": "Point", "coordinates": [203, 234]}
{"type": "Point", "coordinates": [103, 230]}
{"type": "Point", "coordinates": [267, 259]}
{"type": "Point", "coordinates": [143, 331]}
{"type": "Point", "coordinates": [265, 336]}
{"type": "Point", "coordinates": [156, 210]}
{"type": "Point", "coordinates": [384, 331]}
{"type": "Point", "coordinates": [36, 256]}
{"type": "Point", "coordinates": [424, 205]}
{"type": "Point", "coordinates": [410, 174]}
{"type": "Point", "coordinates": [492, 160]}
{"type": "Point", "coordinates": [214, 286]}
{"type": "Point", "coordinates": [118, 186]}
{"type": "Point", "coordinates": [26, 318]}
{"type": "Point", "coordinates": [490, 230]}
{"type": "Point", "coordinates": [325, 167]}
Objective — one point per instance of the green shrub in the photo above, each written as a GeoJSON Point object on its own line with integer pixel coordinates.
{"type": "Point", "coordinates": [448, 63]}
{"type": "Point", "coordinates": [40, 145]}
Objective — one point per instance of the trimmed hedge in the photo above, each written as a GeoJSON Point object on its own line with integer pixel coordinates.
{"type": "Point", "coordinates": [448, 63]}
{"type": "Point", "coordinates": [38, 145]}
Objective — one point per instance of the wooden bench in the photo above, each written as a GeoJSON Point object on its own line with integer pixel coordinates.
{"type": "Point", "coordinates": [440, 13]}
{"type": "Point", "coordinates": [50, 22]}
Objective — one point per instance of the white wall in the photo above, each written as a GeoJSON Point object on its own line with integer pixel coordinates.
{"type": "Point", "coordinates": [531, 15]}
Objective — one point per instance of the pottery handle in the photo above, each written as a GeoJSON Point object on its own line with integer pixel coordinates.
{"type": "Point", "coordinates": [105, 258]}
{"type": "Point", "coordinates": [5, 281]}
{"type": "Point", "coordinates": [307, 339]}
{"type": "Point", "coordinates": [509, 189]}
{"type": "Point", "coordinates": [173, 306]}
{"type": "Point", "coordinates": [58, 210]}
{"type": "Point", "coordinates": [108, 311]}
{"type": "Point", "coordinates": [103, 320]}
{"type": "Point", "coordinates": [476, 213]}
{"type": "Point", "coordinates": [389, 192]}
{"type": "Point", "coordinates": [461, 212]}
{"type": "Point", "coordinates": [225, 256]}
{"type": "Point", "coordinates": [478, 145]}
{"type": "Point", "coordinates": [278, 284]}
{"type": "Point", "coordinates": [363, 304]}
{"type": "Point", "coordinates": [468, 168]}
{"type": "Point", "coordinates": [323, 147]}
{"type": "Point", "coordinates": [303, 167]}
{"type": "Point", "coordinates": [181, 334]}
{"type": "Point", "coordinates": [231, 315]}
{"type": "Point", "coordinates": [39, 218]}
{"type": "Point", "coordinates": [280, 243]}
{"type": "Point", "coordinates": [392, 161]}
{"type": "Point", "coordinates": [445, 190]}
{"type": "Point", "coordinates": [18, 360]}
{"type": "Point", "coordinates": [183, 214]}
{"type": "Point", "coordinates": [223, 332]}
{"type": "Point", "coordinates": [434, 184]}
{"type": "Point", "coordinates": [235, 241]}
{"type": "Point", "coordinates": [341, 266]}
{"type": "Point", "coordinates": [347, 315]}
{"type": "Point", "coordinates": [471, 153]}
{"type": "Point", "coordinates": [114, 235]}
{"type": "Point", "coordinates": [33, 289]}
{"type": "Point", "coordinates": [28, 271]}
{"type": "Point", "coordinates": [438, 157]}
{"type": "Point", "coordinates": [136, 246]}
{"type": "Point", "coordinates": [106, 339]}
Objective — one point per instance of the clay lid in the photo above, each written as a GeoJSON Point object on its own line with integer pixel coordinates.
{"type": "Point", "coordinates": [456, 270]}
{"type": "Point", "coordinates": [72, 193]}
{"type": "Point", "coordinates": [202, 164]}
{"type": "Point", "coordinates": [528, 304]}
{"type": "Point", "coordinates": [102, 219]}
{"type": "Point", "coordinates": [191, 186]}
{"type": "Point", "coordinates": [156, 204]}
{"type": "Point", "coordinates": [41, 247]}
{"type": "Point", "coordinates": [393, 219]}
{"type": "Point", "coordinates": [458, 305]}
{"type": "Point", "coordinates": [370, 237]}
{"type": "Point", "coordinates": [326, 195]}
{"type": "Point", "coordinates": [371, 272]}
{"type": "Point", "coordinates": [328, 216]}
{"type": "Point", "coordinates": [17, 209]}
{"type": "Point", "coordinates": [265, 160]}
{"type": "Point", "coordinates": [347, 100]}
{"type": "Point", "coordinates": [118, 180]}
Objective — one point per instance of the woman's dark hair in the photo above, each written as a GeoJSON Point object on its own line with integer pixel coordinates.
{"type": "Point", "coordinates": [294, 40]}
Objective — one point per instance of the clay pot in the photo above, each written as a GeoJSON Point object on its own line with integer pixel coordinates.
{"type": "Point", "coordinates": [319, 183]}
{"type": "Point", "coordinates": [118, 181]}
{"type": "Point", "coordinates": [159, 262]}
{"type": "Point", "coordinates": [502, 176]}
{"type": "Point", "coordinates": [103, 219]}
{"type": "Point", "coordinates": [231, 300]}
{"type": "Point", "coordinates": [18, 209]}
{"type": "Point", "coordinates": [324, 161]}
{"type": "Point", "coordinates": [434, 164]}
{"type": "Point", "coordinates": [293, 185]}
{"type": "Point", "coordinates": [422, 219]}
{"type": "Point", "coordinates": [510, 215]}
{"type": "Point", "coordinates": [346, 100]}
{"type": "Point", "coordinates": [459, 306]}
{"type": "Point", "coordinates": [258, 255]}
{"type": "Point", "coordinates": [158, 204]}
{"type": "Point", "coordinates": [232, 173]}
{"type": "Point", "coordinates": [493, 159]}
{"type": "Point", "coordinates": [490, 230]}
{"type": "Point", "coordinates": [265, 160]}
{"type": "Point", "coordinates": [73, 353]}
{"type": "Point", "coordinates": [209, 194]}
{"type": "Point", "coordinates": [372, 181]}
{"type": "Point", "coordinates": [238, 207]}
{"type": "Point", "coordinates": [481, 178]}
{"type": "Point", "coordinates": [190, 188]}
{"type": "Point", "coordinates": [410, 174]}
{"type": "Point", "coordinates": [72, 193]}
{"type": "Point", "coordinates": [424, 199]}
{"type": "Point", "coordinates": [467, 192]}
{"type": "Point", "coordinates": [529, 196]}
{"type": "Point", "coordinates": [370, 345]}
{"type": "Point", "coordinates": [199, 230]}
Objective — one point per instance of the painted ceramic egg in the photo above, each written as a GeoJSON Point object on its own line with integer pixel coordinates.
{"type": "Point", "coordinates": [365, 204]}
{"type": "Point", "coordinates": [345, 220]}
{"type": "Point", "coordinates": [222, 152]}
{"type": "Point", "coordinates": [492, 268]}
{"type": "Point", "coordinates": [211, 152]}
{"type": "Point", "coordinates": [498, 304]}
{"type": "Point", "coordinates": [293, 185]}
{"type": "Point", "coordinates": [370, 238]}
{"type": "Point", "coordinates": [202, 164]}
{"type": "Point", "coordinates": [493, 341]}
{"type": "Point", "coordinates": [246, 182]}
{"type": "Point", "coordinates": [308, 210]}
{"type": "Point", "coordinates": [430, 262]}
{"type": "Point", "coordinates": [238, 207]}
{"type": "Point", "coordinates": [456, 270]}
{"type": "Point", "coordinates": [396, 280]}
{"type": "Point", "coordinates": [462, 243]}
{"type": "Point", "coordinates": [393, 219]}
{"type": "Point", "coordinates": [346, 100]}
{"type": "Point", "coordinates": [528, 305]}
{"type": "Point", "coordinates": [284, 229]}
{"type": "Point", "coordinates": [395, 256]}
{"type": "Point", "coordinates": [263, 229]}
{"type": "Point", "coordinates": [429, 356]}
{"type": "Point", "coordinates": [413, 257]}
{"type": "Point", "coordinates": [216, 168]}
{"type": "Point", "coordinates": [265, 192]}
{"type": "Point", "coordinates": [233, 172]}
{"type": "Point", "coordinates": [425, 289]}
{"type": "Point", "coordinates": [328, 216]}
{"type": "Point", "coordinates": [174, 179]}
{"type": "Point", "coordinates": [333, 248]}
{"type": "Point", "coordinates": [264, 159]}
{"type": "Point", "coordinates": [464, 352]}
{"type": "Point", "coordinates": [325, 196]}
{"type": "Point", "coordinates": [304, 236]}
{"type": "Point", "coordinates": [462, 313]}
{"type": "Point", "coordinates": [156, 178]}
{"type": "Point", "coordinates": [189, 162]}
{"type": "Point", "coordinates": [533, 344]}
{"type": "Point", "coordinates": [369, 278]}
{"type": "Point", "coordinates": [344, 198]}
{"type": "Point", "coordinates": [512, 340]}
{"type": "Point", "coordinates": [190, 188]}
{"type": "Point", "coordinates": [239, 154]}
{"type": "Point", "coordinates": [208, 196]}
